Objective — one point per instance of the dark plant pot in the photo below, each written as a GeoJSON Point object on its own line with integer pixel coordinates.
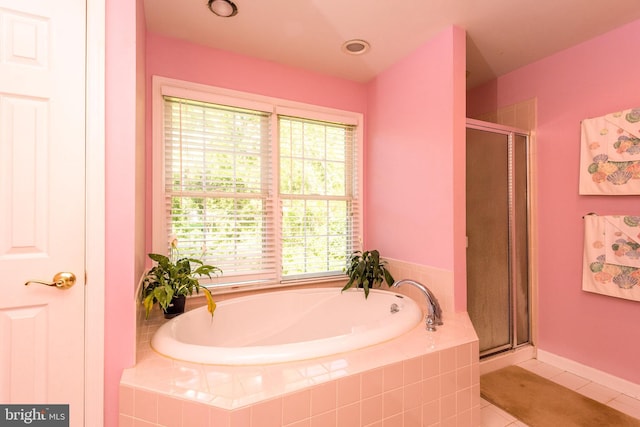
{"type": "Point", "coordinates": [176, 307]}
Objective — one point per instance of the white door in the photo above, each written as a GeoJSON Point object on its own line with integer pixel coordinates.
{"type": "Point", "coordinates": [42, 202]}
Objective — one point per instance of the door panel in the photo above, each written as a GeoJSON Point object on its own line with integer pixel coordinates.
{"type": "Point", "coordinates": [498, 239]}
{"type": "Point", "coordinates": [521, 237]}
{"type": "Point", "coordinates": [488, 296]}
{"type": "Point", "coordinates": [42, 205]}
{"type": "Point", "coordinates": [25, 331]}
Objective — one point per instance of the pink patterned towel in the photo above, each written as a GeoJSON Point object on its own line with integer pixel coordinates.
{"type": "Point", "coordinates": [610, 154]}
{"type": "Point", "coordinates": [612, 255]}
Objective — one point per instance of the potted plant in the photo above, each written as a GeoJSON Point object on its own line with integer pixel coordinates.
{"type": "Point", "coordinates": [172, 279]}
{"type": "Point", "coordinates": [365, 269]}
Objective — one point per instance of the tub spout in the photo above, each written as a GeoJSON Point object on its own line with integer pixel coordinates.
{"type": "Point", "coordinates": [434, 312]}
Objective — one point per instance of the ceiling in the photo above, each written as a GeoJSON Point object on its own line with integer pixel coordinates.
{"type": "Point", "coordinates": [502, 35]}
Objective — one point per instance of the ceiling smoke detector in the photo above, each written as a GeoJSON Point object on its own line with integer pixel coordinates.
{"type": "Point", "coordinates": [355, 47]}
{"type": "Point", "coordinates": [224, 8]}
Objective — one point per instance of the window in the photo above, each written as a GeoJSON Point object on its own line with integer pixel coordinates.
{"type": "Point", "coordinates": [316, 195]}
{"type": "Point", "coordinates": [264, 189]}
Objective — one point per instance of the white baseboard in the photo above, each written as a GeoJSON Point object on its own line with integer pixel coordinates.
{"type": "Point", "coordinates": [592, 374]}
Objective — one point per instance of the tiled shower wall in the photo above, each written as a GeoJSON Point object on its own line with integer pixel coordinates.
{"type": "Point", "coordinates": [521, 115]}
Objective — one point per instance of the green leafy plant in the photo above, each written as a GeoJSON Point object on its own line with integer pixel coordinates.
{"type": "Point", "coordinates": [175, 277]}
{"type": "Point", "coordinates": [365, 269]}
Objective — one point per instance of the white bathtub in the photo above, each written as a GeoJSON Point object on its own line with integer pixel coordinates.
{"type": "Point", "coordinates": [285, 326]}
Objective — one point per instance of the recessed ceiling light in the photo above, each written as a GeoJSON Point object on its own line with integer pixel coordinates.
{"type": "Point", "coordinates": [355, 47]}
{"type": "Point", "coordinates": [224, 8]}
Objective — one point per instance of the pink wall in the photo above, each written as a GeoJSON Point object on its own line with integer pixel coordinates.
{"type": "Point", "coordinates": [176, 59]}
{"type": "Point", "coordinates": [591, 79]}
{"type": "Point", "coordinates": [415, 163]}
{"type": "Point", "coordinates": [124, 49]}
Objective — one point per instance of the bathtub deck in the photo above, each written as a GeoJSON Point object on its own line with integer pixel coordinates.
{"type": "Point", "coordinates": [448, 356]}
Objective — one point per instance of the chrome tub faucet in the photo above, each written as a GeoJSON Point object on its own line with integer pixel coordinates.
{"type": "Point", "coordinates": [434, 312]}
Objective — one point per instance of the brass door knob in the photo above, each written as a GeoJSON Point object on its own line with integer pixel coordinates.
{"type": "Point", "coordinates": [61, 281]}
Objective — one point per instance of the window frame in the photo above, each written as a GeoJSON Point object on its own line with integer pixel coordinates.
{"type": "Point", "coordinates": [163, 86]}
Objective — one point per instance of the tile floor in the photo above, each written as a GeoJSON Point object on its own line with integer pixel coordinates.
{"type": "Point", "coordinates": [492, 416]}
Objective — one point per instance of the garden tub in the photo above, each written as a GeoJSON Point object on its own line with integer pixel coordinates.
{"type": "Point", "coordinates": [284, 326]}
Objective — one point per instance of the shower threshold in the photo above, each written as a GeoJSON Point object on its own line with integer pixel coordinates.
{"type": "Point", "coordinates": [507, 358]}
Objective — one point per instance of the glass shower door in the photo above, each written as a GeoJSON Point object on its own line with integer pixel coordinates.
{"type": "Point", "coordinates": [497, 238]}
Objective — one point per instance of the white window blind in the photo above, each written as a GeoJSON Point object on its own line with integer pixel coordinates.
{"type": "Point", "coordinates": [226, 207]}
{"type": "Point", "coordinates": [218, 187]}
{"type": "Point", "coordinates": [318, 196]}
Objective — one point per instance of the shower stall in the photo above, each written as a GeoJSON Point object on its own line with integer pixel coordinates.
{"type": "Point", "coordinates": [497, 209]}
